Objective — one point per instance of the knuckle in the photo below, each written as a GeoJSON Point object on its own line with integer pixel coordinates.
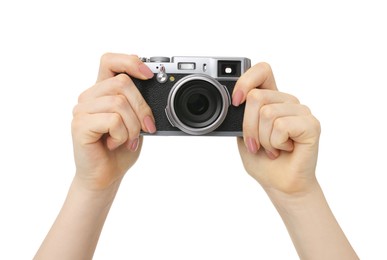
{"type": "Point", "coordinates": [106, 57]}
{"type": "Point", "coordinates": [267, 112]}
{"type": "Point", "coordinates": [82, 97]}
{"type": "Point", "coordinates": [121, 83]}
{"type": "Point", "coordinates": [115, 120]}
{"type": "Point", "coordinates": [119, 102]}
{"type": "Point", "coordinates": [265, 67]}
{"type": "Point", "coordinates": [316, 125]}
{"type": "Point", "coordinates": [243, 82]}
{"type": "Point", "coordinates": [122, 80]}
{"type": "Point", "coordinates": [133, 57]}
{"type": "Point", "coordinates": [252, 96]}
{"type": "Point", "coordinates": [280, 125]}
{"type": "Point", "coordinates": [256, 96]}
{"type": "Point", "coordinates": [76, 124]}
{"type": "Point", "coordinates": [75, 110]}
{"type": "Point", "coordinates": [294, 99]}
{"type": "Point", "coordinates": [289, 98]}
{"type": "Point", "coordinates": [306, 110]}
{"type": "Point", "coordinates": [143, 107]}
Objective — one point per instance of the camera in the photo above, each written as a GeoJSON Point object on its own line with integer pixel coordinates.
{"type": "Point", "coordinates": [192, 95]}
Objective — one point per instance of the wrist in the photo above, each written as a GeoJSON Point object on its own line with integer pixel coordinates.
{"type": "Point", "coordinates": [78, 226]}
{"type": "Point", "coordinates": [311, 224]}
{"type": "Point", "coordinates": [297, 201]}
{"type": "Point", "coordinates": [91, 192]}
{"type": "Point", "coordinates": [97, 181]}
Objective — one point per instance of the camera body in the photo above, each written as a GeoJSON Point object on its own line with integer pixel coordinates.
{"type": "Point", "coordinates": [192, 95]}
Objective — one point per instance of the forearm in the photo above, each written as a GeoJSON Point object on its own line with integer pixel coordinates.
{"type": "Point", "coordinates": [75, 233]}
{"type": "Point", "coordinates": [312, 226]}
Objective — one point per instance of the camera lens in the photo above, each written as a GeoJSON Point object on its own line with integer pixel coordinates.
{"type": "Point", "coordinates": [197, 104]}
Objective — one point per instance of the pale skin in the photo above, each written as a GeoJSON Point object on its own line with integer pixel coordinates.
{"type": "Point", "coordinates": [279, 149]}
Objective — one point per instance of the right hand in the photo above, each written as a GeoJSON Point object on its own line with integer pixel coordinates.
{"type": "Point", "coordinates": [281, 136]}
{"type": "Point", "coordinates": [107, 122]}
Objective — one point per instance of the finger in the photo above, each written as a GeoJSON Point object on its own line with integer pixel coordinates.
{"type": "Point", "coordinates": [259, 76]}
{"type": "Point", "coordinates": [298, 129]}
{"type": "Point", "coordinates": [123, 85]}
{"type": "Point", "coordinates": [112, 64]}
{"type": "Point", "coordinates": [256, 99]}
{"type": "Point", "coordinates": [113, 104]}
{"type": "Point", "coordinates": [268, 116]}
{"type": "Point", "coordinates": [89, 129]}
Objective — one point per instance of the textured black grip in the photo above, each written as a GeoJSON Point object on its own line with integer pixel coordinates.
{"type": "Point", "coordinates": [156, 95]}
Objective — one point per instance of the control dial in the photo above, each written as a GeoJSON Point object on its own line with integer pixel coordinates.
{"type": "Point", "coordinates": [159, 59]}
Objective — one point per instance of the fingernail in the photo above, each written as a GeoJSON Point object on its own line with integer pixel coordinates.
{"type": "Point", "coordinates": [149, 124]}
{"type": "Point", "coordinates": [271, 155]}
{"type": "Point", "coordinates": [133, 145]}
{"type": "Point", "coordinates": [145, 71]}
{"type": "Point", "coordinates": [252, 145]}
{"type": "Point", "coordinates": [237, 98]}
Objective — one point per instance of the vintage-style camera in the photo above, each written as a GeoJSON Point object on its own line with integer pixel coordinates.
{"type": "Point", "coordinates": [192, 95]}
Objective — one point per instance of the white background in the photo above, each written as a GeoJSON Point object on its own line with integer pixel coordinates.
{"type": "Point", "coordinates": [189, 198]}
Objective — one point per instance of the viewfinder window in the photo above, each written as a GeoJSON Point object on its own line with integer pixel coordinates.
{"type": "Point", "coordinates": [229, 68]}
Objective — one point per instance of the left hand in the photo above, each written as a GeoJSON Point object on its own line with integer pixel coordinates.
{"type": "Point", "coordinates": [107, 122]}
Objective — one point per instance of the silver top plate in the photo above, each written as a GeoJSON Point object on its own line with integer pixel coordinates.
{"type": "Point", "coordinates": [194, 65]}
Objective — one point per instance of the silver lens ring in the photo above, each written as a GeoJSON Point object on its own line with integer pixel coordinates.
{"type": "Point", "coordinates": [173, 115]}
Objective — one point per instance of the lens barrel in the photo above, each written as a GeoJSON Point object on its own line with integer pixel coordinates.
{"type": "Point", "coordinates": [197, 104]}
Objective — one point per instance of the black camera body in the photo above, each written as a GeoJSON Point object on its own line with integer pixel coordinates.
{"type": "Point", "coordinates": [192, 95]}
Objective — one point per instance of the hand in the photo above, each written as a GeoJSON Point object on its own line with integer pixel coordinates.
{"type": "Point", "coordinates": [280, 136]}
{"type": "Point", "coordinates": [107, 121]}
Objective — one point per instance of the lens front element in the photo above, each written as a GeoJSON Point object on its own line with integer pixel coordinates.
{"type": "Point", "coordinates": [197, 104]}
